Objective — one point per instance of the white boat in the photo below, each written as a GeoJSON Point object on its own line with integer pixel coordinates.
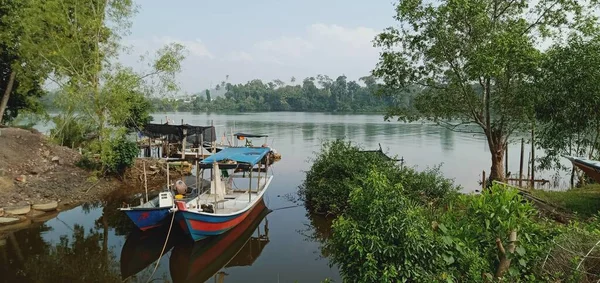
{"type": "Point", "coordinates": [239, 178]}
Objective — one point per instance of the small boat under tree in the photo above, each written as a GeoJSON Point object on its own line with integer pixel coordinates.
{"type": "Point", "coordinates": [590, 167]}
{"type": "Point", "coordinates": [239, 177]}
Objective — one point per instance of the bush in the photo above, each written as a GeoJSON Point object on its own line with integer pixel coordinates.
{"type": "Point", "coordinates": [118, 154]}
{"type": "Point", "coordinates": [338, 168]}
{"type": "Point", "coordinates": [471, 226]}
{"type": "Point", "coordinates": [70, 130]}
{"type": "Point", "coordinates": [386, 236]}
{"type": "Point", "coordinates": [341, 166]}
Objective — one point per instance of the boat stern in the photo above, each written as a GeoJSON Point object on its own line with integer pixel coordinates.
{"type": "Point", "coordinates": [146, 219]}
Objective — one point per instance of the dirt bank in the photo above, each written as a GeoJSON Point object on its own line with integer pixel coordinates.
{"type": "Point", "coordinates": [35, 171]}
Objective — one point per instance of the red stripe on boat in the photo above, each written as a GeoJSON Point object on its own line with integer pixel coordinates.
{"type": "Point", "coordinates": [149, 227]}
{"type": "Point", "coordinates": [197, 225]}
{"type": "Point", "coordinates": [181, 205]}
{"type": "Point", "coordinates": [183, 226]}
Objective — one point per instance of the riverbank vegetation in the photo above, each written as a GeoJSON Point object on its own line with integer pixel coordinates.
{"type": "Point", "coordinates": [481, 63]}
{"type": "Point", "coordinates": [312, 94]}
{"type": "Point", "coordinates": [396, 224]}
{"type": "Point", "coordinates": [584, 201]}
{"type": "Point", "coordinates": [75, 46]}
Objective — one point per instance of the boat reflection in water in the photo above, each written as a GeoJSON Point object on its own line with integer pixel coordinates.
{"type": "Point", "coordinates": [198, 261]}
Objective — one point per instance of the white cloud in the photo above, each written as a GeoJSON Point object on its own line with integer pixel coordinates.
{"type": "Point", "coordinates": [240, 56]}
{"type": "Point", "coordinates": [287, 46]}
{"type": "Point", "coordinates": [319, 49]}
{"type": "Point", "coordinates": [360, 37]}
{"type": "Point", "coordinates": [320, 44]}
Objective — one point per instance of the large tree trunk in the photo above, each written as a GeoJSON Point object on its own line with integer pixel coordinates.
{"type": "Point", "coordinates": [6, 95]}
{"type": "Point", "coordinates": [497, 170]}
{"type": "Point", "coordinates": [497, 148]}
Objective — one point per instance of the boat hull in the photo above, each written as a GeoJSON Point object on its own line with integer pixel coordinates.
{"type": "Point", "coordinates": [590, 167]}
{"type": "Point", "coordinates": [148, 218]}
{"type": "Point", "coordinates": [202, 225]}
{"type": "Point", "coordinates": [198, 261]}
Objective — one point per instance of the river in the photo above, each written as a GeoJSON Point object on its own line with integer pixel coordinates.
{"type": "Point", "coordinates": [78, 240]}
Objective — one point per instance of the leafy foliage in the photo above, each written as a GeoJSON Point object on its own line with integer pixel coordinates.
{"type": "Point", "coordinates": [384, 235]}
{"type": "Point", "coordinates": [335, 171]}
{"type": "Point", "coordinates": [314, 94]}
{"type": "Point", "coordinates": [396, 224]}
{"type": "Point", "coordinates": [71, 130]}
{"type": "Point", "coordinates": [119, 155]}
{"type": "Point", "coordinates": [474, 60]}
{"type": "Point", "coordinates": [568, 103]}
{"type": "Point", "coordinates": [99, 99]}
{"type": "Point", "coordinates": [340, 165]}
{"type": "Point", "coordinates": [17, 59]}
{"type": "Point", "coordinates": [470, 228]}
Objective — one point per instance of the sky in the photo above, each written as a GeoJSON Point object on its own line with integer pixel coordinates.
{"type": "Point", "coordinates": [261, 39]}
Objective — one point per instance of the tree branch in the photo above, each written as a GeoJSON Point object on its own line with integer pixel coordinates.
{"type": "Point", "coordinates": [465, 93]}
{"type": "Point", "coordinates": [496, 16]}
{"type": "Point", "coordinates": [539, 19]}
{"type": "Point", "coordinates": [452, 127]}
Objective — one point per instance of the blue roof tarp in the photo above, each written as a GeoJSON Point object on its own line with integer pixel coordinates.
{"type": "Point", "coordinates": [249, 155]}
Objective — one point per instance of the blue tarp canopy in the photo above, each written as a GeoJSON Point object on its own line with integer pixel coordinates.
{"type": "Point", "coordinates": [249, 155]}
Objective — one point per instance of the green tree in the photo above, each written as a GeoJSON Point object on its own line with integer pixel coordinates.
{"type": "Point", "coordinates": [568, 104]}
{"type": "Point", "coordinates": [21, 71]}
{"type": "Point", "coordinates": [474, 60]}
{"type": "Point", "coordinates": [82, 46]}
{"type": "Point", "coordinates": [208, 95]}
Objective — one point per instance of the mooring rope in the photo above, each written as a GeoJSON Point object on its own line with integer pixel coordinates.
{"type": "Point", "coordinates": [163, 249]}
{"type": "Point", "coordinates": [286, 207]}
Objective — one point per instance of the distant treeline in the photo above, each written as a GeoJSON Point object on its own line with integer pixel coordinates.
{"type": "Point", "coordinates": [313, 94]}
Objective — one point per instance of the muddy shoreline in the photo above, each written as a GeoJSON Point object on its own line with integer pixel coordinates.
{"type": "Point", "coordinates": [39, 179]}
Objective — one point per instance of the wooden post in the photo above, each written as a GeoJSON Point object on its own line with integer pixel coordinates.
{"type": "Point", "coordinates": [168, 181]}
{"type": "Point", "coordinates": [533, 156]}
{"type": "Point", "coordinates": [572, 177]}
{"type": "Point", "coordinates": [149, 147]}
{"type": "Point", "coordinates": [183, 144]}
{"type": "Point", "coordinates": [197, 170]}
{"type": "Point", "coordinates": [145, 180]}
{"type": "Point", "coordinates": [506, 161]}
{"type": "Point", "coordinates": [528, 166]}
{"type": "Point", "coordinates": [483, 181]}
{"type": "Point", "coordinates": [521, 162]}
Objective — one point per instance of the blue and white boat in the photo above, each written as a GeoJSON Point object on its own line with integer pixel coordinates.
{"type": "Point", "coordinates": [228, 202]}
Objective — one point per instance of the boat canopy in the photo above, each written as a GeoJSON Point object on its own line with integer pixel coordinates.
{"type": "Point", "coordinates": [159, 130]}
{"type": "Point", "coordinates": [248, 155]}
{"type": "Point", "coordinates": [250, 135]}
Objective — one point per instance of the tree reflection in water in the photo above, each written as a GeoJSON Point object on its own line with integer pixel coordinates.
{"type": "Point", "coordinates": [75, 259]}
{"type": "Point", "coordinates": [317, 231]}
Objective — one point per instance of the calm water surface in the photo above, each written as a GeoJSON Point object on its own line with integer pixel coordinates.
{"type": "Point", "coordinates": [84, 246]}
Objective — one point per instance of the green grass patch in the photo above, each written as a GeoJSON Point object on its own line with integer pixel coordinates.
{"type": "Point", "coordinates": [584, 201]}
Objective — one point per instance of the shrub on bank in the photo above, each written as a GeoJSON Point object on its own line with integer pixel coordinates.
{"type": "Point", "coordinates": [385, 236]}
{"type": "Point", "coordinates": [119, 155]}
{"type": "Point", "coordinates": [335, 171]}
{"type": "Point", "coordinates": [116, 155]}
{"type": "Point", "coordinates": [341, 166]}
